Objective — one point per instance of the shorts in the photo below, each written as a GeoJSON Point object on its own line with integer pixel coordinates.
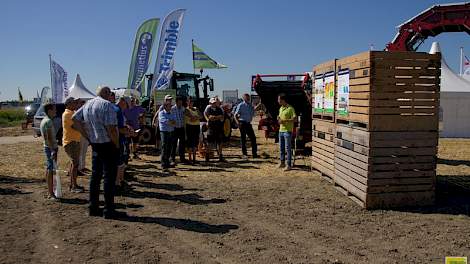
{"type": "Point", "coordinates": [73, 151]}
{"type": "Point", "coordinates": [49, 160]}
{"type": "Point", "coordinates": [215, 134]}
{"type": "Point", "coordinates": [192, 135]}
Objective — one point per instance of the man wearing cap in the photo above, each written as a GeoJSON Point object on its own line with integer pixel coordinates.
{"type": "Point", "coordinates": [215, 122]}
{"type": "Point", "coordinates": [71, 141]}
{"type": "Point", "coordinates": [167, 100]}
{"type": "Point", "coordinates": [166, 124]}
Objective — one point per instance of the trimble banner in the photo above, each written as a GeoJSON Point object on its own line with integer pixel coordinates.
{"type": "Point", "coordinates": [170, 34]}
{"type": "Point", "coordinates": [141, 55]}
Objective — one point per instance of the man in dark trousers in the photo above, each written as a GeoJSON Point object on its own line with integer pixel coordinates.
{"type": "Point", "coordinates": [179, 134]}
{"type": "Point", "coordinates": [244, 114]}
{"type": "Point", "coordinates": [97, 121]}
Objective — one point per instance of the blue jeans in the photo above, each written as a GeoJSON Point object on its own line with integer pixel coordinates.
{"type": "Point", "coordinates": [285, 146]}
{"type": "Point", "coordinates": [49, 160]}
{"type": "Point", "coordinates": [166, 145]}
{"type": "Point", "coordinates": [104, 165]}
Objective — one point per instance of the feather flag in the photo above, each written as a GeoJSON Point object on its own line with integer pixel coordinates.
{"type": "Point", "coordinates": [202, 61]}
{"type": "Point", "coordinates": [144, 39]}
{"type": "Point", "coordinates": [58, 82]}
{"type": "Point", "coordinates": [20, 96]}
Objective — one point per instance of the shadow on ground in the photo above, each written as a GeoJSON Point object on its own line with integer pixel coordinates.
{"type": "Point", "coordinates": [452, 197]}
{"type": "Point", "coordinates": [161, 186]}
{"type": "Point", "coordinates": [8, 191]}
{"type": "Point", "coordinates": [9, 179]}
{"type": "Point", "coordinates": [453, 162]}
{"type": "Point", "coordinates": [183, 224]}
{"type": "Point", "coordinates": [192, 198]}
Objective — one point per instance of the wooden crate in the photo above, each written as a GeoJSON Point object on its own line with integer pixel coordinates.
{"type": "Point", "coordinates": [323, 95]}
{"type": "Point", "coordinates": [323, 147]}
{"type": "Point", "coordinates": [389, 91]}
{"type": "Point", "coordinates": [386, 169]}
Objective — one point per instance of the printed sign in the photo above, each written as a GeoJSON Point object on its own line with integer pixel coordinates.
{"type": "Point", "coordinates": [342, 101]}
{"type": "Point", "coordinates": [329, 94]}
{"type": "Point", "coordinates": [318, 94]}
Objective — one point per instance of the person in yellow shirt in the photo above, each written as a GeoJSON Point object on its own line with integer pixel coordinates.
{"type": "Point", "coordinates": [71, 141]}
{"type": "Point", "coordinates": [286, 120]}
{"type": "Point", "coordinates": [192, 122]}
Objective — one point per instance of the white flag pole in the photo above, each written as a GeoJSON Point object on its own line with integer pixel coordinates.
{"type": "Point", "coordinates": [461, 61]}
{"type": "Point", "coordinates": [52, 78]}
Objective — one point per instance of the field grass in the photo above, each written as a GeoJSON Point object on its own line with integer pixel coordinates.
{"type": "Point", "coordinates": [11, 117]}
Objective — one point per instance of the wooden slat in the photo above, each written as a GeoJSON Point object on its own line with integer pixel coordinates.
{"type": "Point", "coordinates": [354, 167]}
{"type": "Point", "coordinates": [424, 151]}
{"type": "Point", "coordinates": [400, 188]}
{"type": "Point", "coordinates": [360, 81]}
{"type": "Point", "coordinates": [404, 55]}
{"type": "Point", "coordinates": [350, 153]}
{"type": "Point", "coordinates": [324, 126]}
{"type": "Point", "coordinates": [350, 179]}
{"type": "Point", "coordinates": [328, 163]}
{"type": "Point", "coordinates": [399, 123]}
{"type": "Point", "coordinates": [401, 159]}
{"type": "Point", "coordinates": [400, 174]}
{"type": "Point", "coordinates": [403, 166]}
{"type": "Point", "coordinates": [324, 142]}
{"type": "Point", "coordinates": [400, 181]}
{"type": "Point", "coordinates": [351, 188]}
{"type": "Point", "coordinates": [356, 136]}
{"type": "Point", "coordinates": [406, 72]}
{"type": "Point", "coordinates": [400, 199]}
{"type": "Point", "coordinates": [324, 153]}
{"type": "Point", "coordinates": [322, 167]}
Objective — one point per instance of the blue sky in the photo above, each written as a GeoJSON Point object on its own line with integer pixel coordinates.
{"type": "Point", "coordinates": [95, 38]}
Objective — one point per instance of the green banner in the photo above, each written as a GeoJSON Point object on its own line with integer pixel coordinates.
{"type": "Point", "coordinates": [144, 39]}
{"type": "Point", "coordinates": [202, 61]}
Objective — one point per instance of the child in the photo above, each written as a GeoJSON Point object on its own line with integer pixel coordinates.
{"type": "Point", "coordinates": [48, 132]}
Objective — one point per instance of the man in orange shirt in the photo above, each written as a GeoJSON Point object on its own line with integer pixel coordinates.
{"type": "Point", "coordinates": [71, 141]}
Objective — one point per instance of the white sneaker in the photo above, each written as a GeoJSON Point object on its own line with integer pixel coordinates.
{"type": "Point", "coordinates": [245, 157]}
{"type": "Point", "coordinates": [288, 168]}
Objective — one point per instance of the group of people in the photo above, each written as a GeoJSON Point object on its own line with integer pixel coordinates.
{"type": "Point", "coordinates": [112, 129]}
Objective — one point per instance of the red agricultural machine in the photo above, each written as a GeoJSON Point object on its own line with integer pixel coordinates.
{"type": "Point", "coordinates": [430, 23]}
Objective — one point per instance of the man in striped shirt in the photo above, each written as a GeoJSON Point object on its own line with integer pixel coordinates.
{"type": "Point", "coordinates": [97, 121]}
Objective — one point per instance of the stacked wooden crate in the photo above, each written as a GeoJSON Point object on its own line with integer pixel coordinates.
{"type": "Point", "coordinates": [387, 127]}
{"type": "Point", "coordinates": [323, 115]}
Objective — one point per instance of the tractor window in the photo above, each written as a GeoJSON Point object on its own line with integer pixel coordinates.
{"type": "Point", "coordinates": [186, 87]}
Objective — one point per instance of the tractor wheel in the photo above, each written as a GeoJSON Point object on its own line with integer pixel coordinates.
{"type": "Point", "coordinates": [146, 136]}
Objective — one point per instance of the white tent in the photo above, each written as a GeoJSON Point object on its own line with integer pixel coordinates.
{"type": "Point", "coordinates": [78, 90]}
{"type": "Point", "coordinates": [123, 91]}
{"type": "Point", "coordinates": [454, 112]}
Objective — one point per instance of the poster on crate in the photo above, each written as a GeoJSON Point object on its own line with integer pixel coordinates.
{"type": "Point", "coordinates": [342, 101]}
{"type": "Point", "coordinates": [318, 94]}
{"type": "Point", "coordinates": [329, 95]}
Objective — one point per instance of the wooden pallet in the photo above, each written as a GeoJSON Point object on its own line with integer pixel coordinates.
{"type": "Point", "coordinates": [400, 166]}
{"type": "Point", "coordinates": [323, 147]}
{"type": "Point", "coordinates": [390, 91]}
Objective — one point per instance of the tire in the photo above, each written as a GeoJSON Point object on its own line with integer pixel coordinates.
{"type": "Point", "coordinates": [147, 136]}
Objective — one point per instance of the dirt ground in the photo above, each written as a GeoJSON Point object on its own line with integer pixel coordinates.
{"type": "Point", "coordinates": [15, 131]}
{"type": "Point", "coordinates": [235, 212]}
